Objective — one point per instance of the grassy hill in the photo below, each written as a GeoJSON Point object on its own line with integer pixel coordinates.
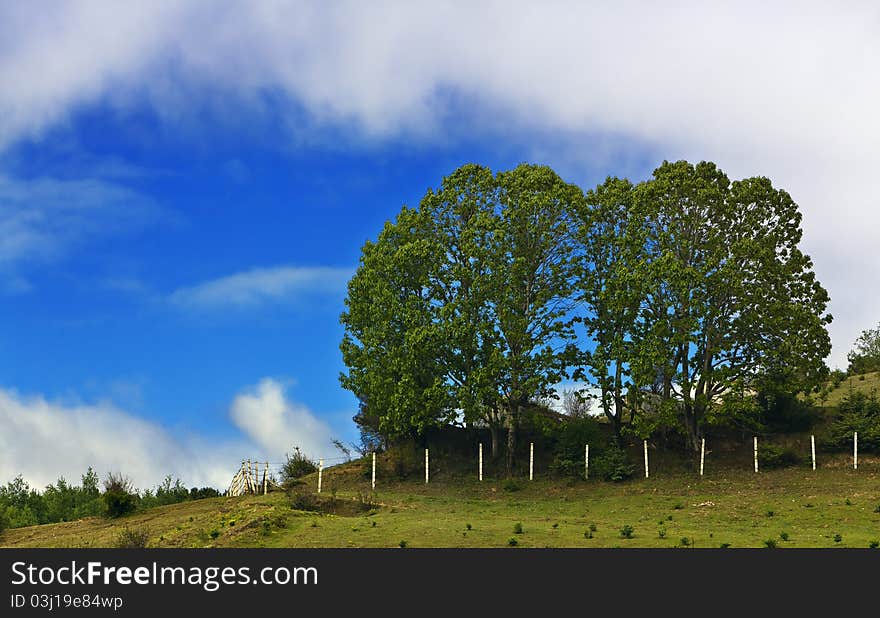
{"type": "Point", "coordinates": [672, 508]}
{"type": "Point", "coordinates": [867, 383]}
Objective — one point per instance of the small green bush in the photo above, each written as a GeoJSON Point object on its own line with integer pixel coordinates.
{"type": "Point", "coordinates": [838, 538]}
{"type": "Point", "coordinates": [627, 532]}
{"type": "Point", "coordinates": [403, 544]}
{"type": "Point", "coordinates": [783, 536]}
{"type": "Point", "coordinates": [724, 545]}
{"type": "Point", "coordinates": [511, 485]}
{"type": "Point", "coordinates": [874, 544]}
{"type": "Point", "coordinates": [517, 528]}
{"type": "Point", "coordinates": [305, 501]}
{"type": "Point", "coordinates": [132, 538]}
{"type": "Point", "coordinates": [771, 456]}
{"type": "Point", "coordinates": [770, 543]}
{"type": "Point", "coordinates": [215, 533]}
{"type": "Point", "coordinates": [614, 465]}
{"type": "Point", "coordinates": [512, 542]}
{"type": "Point", "coordinates": [295, 467]}
{"type": "Point", "coordinates": [468, 526]}
{"type": "Point", "coordinates": [661, 533]}
{"type": "Point", "coordinates": [119, 497]}
{"type": "Point", "coordinates": [685, 541]}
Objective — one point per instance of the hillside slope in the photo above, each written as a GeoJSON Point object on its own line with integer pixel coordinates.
{"type": "Point", "coordinates": [735, 507]}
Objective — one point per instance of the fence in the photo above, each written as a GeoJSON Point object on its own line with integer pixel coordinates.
{"type": "Point", "coordinates": [247, 479]}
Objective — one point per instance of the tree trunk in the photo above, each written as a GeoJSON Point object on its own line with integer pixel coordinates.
{"type": "Point", "coordinates": [493, 431]}
{"type": "Point", "coordinates": [512, 419]}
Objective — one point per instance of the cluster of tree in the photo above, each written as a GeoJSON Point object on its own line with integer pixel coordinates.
{"type": "Point", "coordinates": [679, 299]}
{"type": "Point", "coordinates": [865, 356]}
{"type": "Point", "coordinates": [22, 505]}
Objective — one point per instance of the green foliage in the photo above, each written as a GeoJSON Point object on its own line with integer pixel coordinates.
{"type": "Point", "coordinates": [517, 528]}
{"type": "Point", "coordinates": [403, 544]}
{"type": "Point", "coordinates": [570, 436]}
{"type": "Point", "coordinates": [512, 541]}
{"type": "Point", "coordinates": [838, 538]}
{"type": "Point", "coordinates": [873, 544]}
{"type": "Point", "coordinates": [770, 543]}
{"type": "Point", "coordinates": [511, 485]}
{"type": "Point", "coordinates": [133, 538]}
{"type": "Point", "coordinates": [865, 356]}
{"type": "Point", "coordinates": [614, 465]}
{"type": "Point", "coordinates": [775, 456]}
{"type": "Point", "coordinates": [857, 412]}
{"type": "Point", "coordinates": [119, 497]}
{"type": "Point", "coordinates": [783, 536]}
{"type": "Point", "coordinates": [627, 532]}
{"type": "Point", "coordinates": [296, 466]}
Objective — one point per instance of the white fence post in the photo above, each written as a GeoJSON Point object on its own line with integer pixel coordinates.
{"type": "Point", "coordinates": [855, 450]}
{"type": "Point", "coordinates": [646, 458]}
{"type": "Point", "coordinates": [481, 461]}
{"type": "Point", "coordinates": [320, 473]}
{"type": "Point", "coordinates": [756, 453]}
{"type": "Point", "coordinates": [266, 479]}
{"type": "Point", "coordinates": [250, 482]}
{"type": "Point", "coordinates": [531, 461]}
{"type": "Point", "coordinates": [426, 466]}
{"type": "Point", "coordinates": [587, 462]}
{"type": "Point", "coordinates": [374, 470]}
{"type": "Point", "coordinates": [702, 454]}
{"type": "Point", "coordinates": [813, 450]}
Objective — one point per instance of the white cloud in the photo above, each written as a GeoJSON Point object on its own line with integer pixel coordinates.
{"type": "Point", "coordinates": [276, 424]}
{"type": "Point", "coordinates": [42, 218]}
{"type": "Point", "coordinates": [780, 90]}
{"type": "Point", "coordinates": [261, 285]}
{"type": "Point", "coordinates": [42, 440]}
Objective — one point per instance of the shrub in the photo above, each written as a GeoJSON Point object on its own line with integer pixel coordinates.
{"type": "Point", "coordinates": [305, 501]}
{"type": "Point", "coordinates": [773, 456]}
{"type": "Point", "coordinates": [588, 534]}
{"type": "Point", "coordinates": [837, 538]}
{"type": "Point", "coordinates": [511, 485]}
{"type": "Point", "coordinates": [402, 544]}
{"type": "Point", "coordinates": [783, 536]}
{"type": "Point", "coordinates": [685, 541]}
{"type": "Point", "coordinates": [614, 465]}
{"type": "Point", "coordinates": [592, 527]}
{"type": "Point", "coordinates": [724, 545]}
{"type": "Point", "coordinates": [468, 526]}
{"type": "Point", "coordinates": [627, 532]}
{"type": "Point", "coordinates": [858, 412]}
{"type": "Point", "coordinates": [661, 533]}
{"type": "Point", "coordinates": [570, 437]}
{"type": "Point", "coordinates": [517, 528]}
{"type": "Point", "coordinates": [512, 542]}
{"type": "Point", "coordinates": [874, 544]}
{"type": "Point", "coordinates": [119, 497]}
{"type": "Point", "coordinates": [770, 543]}
{"type": "Point", "coordinates": [296, 466]}
{"type": "Point", "coordinates": [132, 538]}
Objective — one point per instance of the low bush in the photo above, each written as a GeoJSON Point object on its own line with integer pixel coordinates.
{"type": "Point", "coordinates": [614, 465]}
{"type": "Point", "coordinates": [771, 456]}
{"type": "Point", "coordinates": [133, 538]}
{"type": "Point", "coordinates": [295, 467]}
{"type": "Point", "coordinates": [119, 496]}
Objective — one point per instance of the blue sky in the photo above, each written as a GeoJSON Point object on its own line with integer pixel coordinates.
{"type": "Point", "coordinates": [180, 206]}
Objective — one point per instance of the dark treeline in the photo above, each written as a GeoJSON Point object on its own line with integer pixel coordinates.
{"type": "Point", "coordinates": [21, 505]}
{"type": "Point", "coordinates": [684, 301]}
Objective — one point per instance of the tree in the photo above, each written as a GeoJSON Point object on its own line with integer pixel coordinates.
{"type": "Point", "coordinates": [531, 282]}
{"type": "Point", "coordinates": [865, 356]}
{"type": "Point", "coordinates": [463, 219]}
{"type": "Point", "coordinates": [731, 293]}
{"type": "Point", "coordinates": [610, 285]}
{"type": "Point", "coordinates": [392, 338]}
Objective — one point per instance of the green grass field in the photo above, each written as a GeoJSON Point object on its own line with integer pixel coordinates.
{"type": "Point", "coordinates": [793, 508]}
{"type": "Point", "coordinates": [867, 383]}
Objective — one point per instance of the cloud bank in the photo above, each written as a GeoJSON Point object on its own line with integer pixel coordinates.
{"type": "Point", "coordinates": [42, 440]}
{"type": "Point", "coordinates": [783, 91]}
